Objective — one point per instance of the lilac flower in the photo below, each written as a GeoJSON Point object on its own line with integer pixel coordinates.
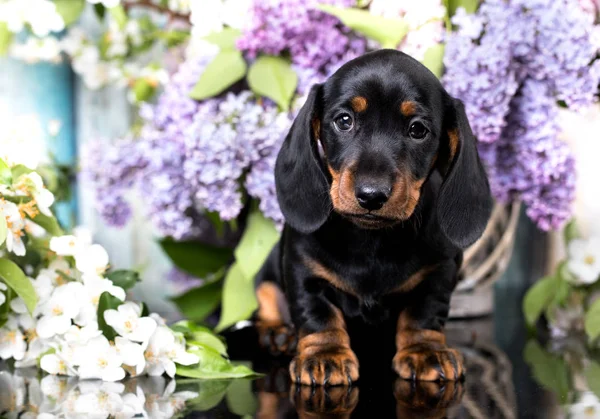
{"type": "Point", "coordinates": [510, 63]}
{"type": "Point", "coordinates": [533, 163]}
{"type": "Point", "coordinates": [313, 38]}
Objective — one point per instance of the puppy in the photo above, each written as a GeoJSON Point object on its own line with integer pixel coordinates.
{"type": "Point", "coordinates": [382, 188]}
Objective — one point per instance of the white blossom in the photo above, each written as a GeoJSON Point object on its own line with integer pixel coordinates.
{"type": "Point", "coordinates": [32, 184]}
{"type": "Point", "coordinates": [12, 341]}
{"type": "Point", "coordinates": [35, 49]}
{"type": "Point", "coordinates": [94, 286]}
{"type": "Point", "coordinates": [164, 351]}
{"type": "Point", "coordinates": [59, 311]}
{"type": "Point", "coordinates": [99, 399]}
{"type": "Point", "coordinates": [584, 260]}
{"type": "Point", "coordinates": [56, 365]}
{"type": "Point", "coordinates": [92, 260]}
{"type": "Point", "coordinates": [98, 359]}
{"type": "Point", "coordinates": [132, 354]}
{"type": "Point", "coordinates": [587, 407]}
{"type": "Point", "coordinates": [127, 322]}
{"type": "Point", "coordinates": [16, 224]}
{"type": "Point", "coordinates": [35, 345]}
{"type": "Point", "coordinates": [41, 15]}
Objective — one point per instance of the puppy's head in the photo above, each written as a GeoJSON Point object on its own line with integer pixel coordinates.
{"type": "Point", "coordinates": [365, 142]}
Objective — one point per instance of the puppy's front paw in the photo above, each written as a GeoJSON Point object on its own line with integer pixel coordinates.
{"type": "Point", "coordinates": [429, 362]}
{"type": "Point", "coordinates": [325, 366]}
{"type": "Point", "coordinates": [277, 338]}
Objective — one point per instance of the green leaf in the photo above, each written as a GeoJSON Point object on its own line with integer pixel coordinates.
{"type": "Point", "coordinates": [145, 311]}
{"type": "Point", "coordinates": [255, 245]}
{"type": "Point", "coordinates": [571, 231]}
{"type": "Point", "coordinates": [550, 371]}
{"type": "Point", "coordinates": [69, 10]}
{"type": "Point", "coordinates": [592, 376]}
{"type": "Point", "coordinates": [561, 293]}
{"type": "Point", "coordinates": [118, 14]}
{"type": "Point", "coordinates": [199, 335]}
{"type": "Point", "coordinates": [50, 224]}
{"type": "Point", "coordinates": [174, 37]}
{"type": "Point", "coordinates": [213, 366]}
{"type": "Point", "coordinates": [197, 258]}
{"type": "Point", "coordinates": [99, 10]}
{"type": "Point", "coordinates": [592, 320]}
{"type": "Point", "coordinates": [224, 70]}
{"type": "Point", "coordinates": [6, 37]}
{"type": "Point", "coordinates": [388, 32]}
{"type": "Point", "coordinates": [210, 394]}
{"type": "Point", "coordinates": [3, 229]}
{"type": "Point", "coordinates": [469, 5]}
{"type": "Point", "coordinates": [537, 298]}
{"type": "Point", "coordinates": [16, 280]}
{"type": "Point", "coordinates": [107, 302]}
{"type": "Point", "coordinates": [198, 303]}
{"type": "Point", "coordinates": [143, 90]}
{"type": "Point", "coordinates": [216, 221]}
{"type": "Point", "coordinates": [240, 398]}
{"type": "Point", "coordinates": [19, 170]}
{"type": "Point", "coordinates": [124, 278]}
{"type": "Point", "coordinates": [239, 301]}
{"type": "Point", "coordinates": [434, 59]}
{"type": "Point", "coordinates": [224, 39]}
{"type": "Point", "coordinates": [274, 78]}
{"type": "Point", "coordinates": [5, 173]}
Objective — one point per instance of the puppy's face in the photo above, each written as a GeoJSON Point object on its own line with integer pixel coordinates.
{"type": "Point", "coordinates": [380, 128]}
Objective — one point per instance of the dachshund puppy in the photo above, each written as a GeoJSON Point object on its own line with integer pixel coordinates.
{"type": "Point", "coordinates": [382, 188]}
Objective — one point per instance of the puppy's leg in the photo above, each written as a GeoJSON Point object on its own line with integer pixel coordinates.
{"type": "Point", "coordinates": [323, 356]}
{"type": "Point", "coordinates": [421, 350]}
{"type": "Point", "coordinates": [273, 321]}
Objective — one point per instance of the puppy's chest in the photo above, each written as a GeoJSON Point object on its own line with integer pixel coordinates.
{"type": "Point", "coordinates": [371, 273]}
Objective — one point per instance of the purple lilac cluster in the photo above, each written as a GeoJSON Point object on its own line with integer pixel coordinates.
{"type": "Point", "coordinates": [312, 38]}
{"type": "Point", "coordinates": [510, 63]}
{"type": "Point", "coordinates": [192, 157]}
{"type": "Point", "coordinates": [228, 139]}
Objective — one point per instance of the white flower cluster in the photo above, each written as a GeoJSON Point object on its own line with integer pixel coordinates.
{"type": "Point", "coordinates": [424, 18]}
{"type": "Point", "coordinates": [22, 138]}
{"type": "Point", "coordinates": [64, 329]}
{"type": "Point", "coordinates": [40, 15]}
{"type": "Point", "coordinates": [28, 185]}
{"type": "Point", "coordinates": [25, 395]}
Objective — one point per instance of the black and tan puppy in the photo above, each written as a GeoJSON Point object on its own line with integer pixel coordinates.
{"type": "Point", "coordinates": [382, 188]}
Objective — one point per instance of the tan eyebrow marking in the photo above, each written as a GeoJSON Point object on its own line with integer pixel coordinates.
{"type": "Point", "coordinates": [408, 108]}
{"type": "Point", "coordinates": [359, 104]}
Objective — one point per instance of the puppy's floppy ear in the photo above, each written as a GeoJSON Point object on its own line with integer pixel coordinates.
{"type": "Point", "coordinates": [465, 202]}
{"type": "Point", "coordinates": [301, 185]}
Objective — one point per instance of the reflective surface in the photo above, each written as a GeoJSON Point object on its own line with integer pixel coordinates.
{"type": "Point", "coordinates": [495, 387]}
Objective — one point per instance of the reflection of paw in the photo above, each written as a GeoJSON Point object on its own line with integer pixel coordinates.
{"type": "Point", "coordinates": [320, 367]}
{"type": "Point", "coordinates": [429, 362]}
{"type": "Point", "coordinates": [330, 402]}
{"type": "Point", "coordinates": [426, 399]}
{"type": "Point", "coordinates": [277, 338]}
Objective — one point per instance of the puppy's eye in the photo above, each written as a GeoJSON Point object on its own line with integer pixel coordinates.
{"type": "Point", "coordinates": [344, 122]}
{"type": "Point", "coordinates": [417, 131]}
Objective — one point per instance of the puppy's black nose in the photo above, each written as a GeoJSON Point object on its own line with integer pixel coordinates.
{"type": "Point", "coordinates": [371, 198]}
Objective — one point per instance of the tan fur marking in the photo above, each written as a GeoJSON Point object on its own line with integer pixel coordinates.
{"type": "Point", "coordinates": [414, 280]}
{"type": "Point", "coordinates": [359, 104]}
{"type": "Point", "coordinates": [316, 126]}
{"type": "Point", "coordinates": [408, 108]}
{"type": "Point", "coordinates": [453, 143]}
{"type": "Point", "coordinates": [408, 333]}
{"type": "Point", "coordinates": [327, 274]}
{"type": "Point", "coordinates": [270, 298]}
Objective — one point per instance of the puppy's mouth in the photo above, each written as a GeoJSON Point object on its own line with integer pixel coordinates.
{"type": "Point", "coordinates": [370, 220]}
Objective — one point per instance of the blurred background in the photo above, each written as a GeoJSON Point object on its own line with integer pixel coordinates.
{"type": "Point", "coordinates": [156, 124]}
